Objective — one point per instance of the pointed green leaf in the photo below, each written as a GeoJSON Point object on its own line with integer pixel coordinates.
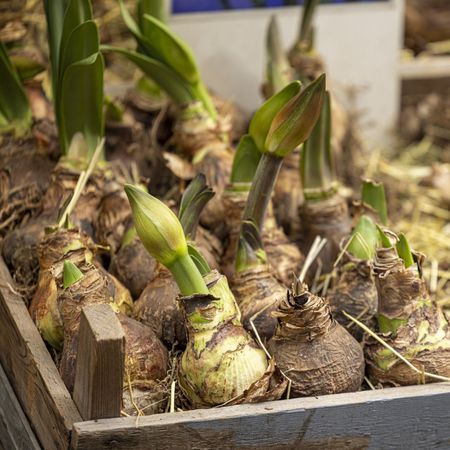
{"type": "Point", "coordinates": [317, 163]}
{"type": "Point", "coordinates": [155, 8]}
{"type": "Point", "coordinates": [199, 260]}
{"type": "Point", "coordinates": [54, 13]}
{"type": "Point", "coordinates": [170, 49]}
{"type": "Point", "coordinates": [71, 274]}
{"type": "Point", "coordinates": [309, 8]}
{"type": "Point", "coordinates": [250, 249]}
{"type": "Point", "coordinates": [278, 72]}
{"type": "Point", "coordinates": [404, 250]}
{"type": "Point", "coordinates": [15, 110]}
{"type": "Point", "coordinates": [82, 101]}
{"type": "Point", "coordinates": [373, 195]}
{"type": "Point", "coordinates": [81, 43]}
{"type": "Point", "coordinates": [293, 124]}
{"type": "Point", "coordinates": [262, 119]}
{"type": "Point", "coordinates": [246, 160]}
{"type": "Point", "coordinates": [194, 199]}
{"type": "Point", "coordinates": [364, 240]}
{"type": "Point", "coordinates": [77, 12]}
{"type": "Point", "coordinates": [166, 78]}
{"type": "Point", "coordinates": [385, 241]}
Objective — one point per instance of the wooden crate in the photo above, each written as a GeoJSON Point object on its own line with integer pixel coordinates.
{"type": "Point", "coordinates": [416, 417]}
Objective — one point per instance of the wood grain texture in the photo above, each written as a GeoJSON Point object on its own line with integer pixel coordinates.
{"type": "Point", "coordinates": [32, 372]}
{"type": "Point", "coordinates": [100, 363]}
{"type": "Point", "coordinates": [415, 417]}
{"type": "Point", "coordinates": [15, 431]}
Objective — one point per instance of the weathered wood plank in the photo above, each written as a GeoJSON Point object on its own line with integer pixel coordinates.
{"type": "Point", "coordinates": [15, 431]}
{"type": "Point", "coordinates": [31, 371]}
{"type": "Point", "coordinates": [409, 417]}
{"type": "Point", "coordinates": [100, 363]}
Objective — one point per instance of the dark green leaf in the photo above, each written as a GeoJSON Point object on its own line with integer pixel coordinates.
{"type": "Point", "coordinates": [170, 49]}
{"type": "Point", "coordinates": [176, 87]}
{"type": "Point", "coordinates": [199, 260]}
{"type": "Point", "coordinates": [194, 199]}
{"type": "Point", "coordinates": [54, 13]}
{"type": "Point", "coordinates": [155, 8]}
{"type": "Point", "coordinates": [15, 110]}
{"type": "Point", "coordinates": [77, 12]}
{"type": "Point", "coordinates": [82, 101]}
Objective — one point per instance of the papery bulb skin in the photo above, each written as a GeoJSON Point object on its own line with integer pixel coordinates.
{"type": "Point", "coordinates": [318, 354]}
{"type": "Point", "coordinates": [408, 321]}
{"type": "Point", "coordinates": [354, 292]}
{"type": "Point", "coordinates": [222, 363]}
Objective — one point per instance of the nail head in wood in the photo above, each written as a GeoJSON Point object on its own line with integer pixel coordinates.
{"type": "Point", "coordinates": [100, 363]}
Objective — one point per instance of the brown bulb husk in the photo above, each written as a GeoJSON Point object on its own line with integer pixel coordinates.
{"type": "Point", "coordinates": [55, 248]}
{"type": "Point", "coordinates": [354, 292]}
{"type": "Point", "coordinates": [255, 289]}
{"type": "Point", "coordinates": [206, 142]}
{"type": "Point", "coordinates": [133, 266]}
{"type": "Point", "coordinates": [221, 363]}
{"type": "Point", "coordinates": [20, 253]}
{"type": "Point", "coordinates": [111, 221]}
{"type": "Point", "coordinates": [157, 307]}
{"type": "Point", "coordinates": [105, 178]}
{"type": "Point", "coordinates": [309, 65]}
{"type": "Point", "coordinates": [146, 359]}
{"type": "Point", "coordinates": [318, 355]}
{"type": "Point", "coordinates": [146, 364]}
{"type": "Point", "coordinates": [209, 246]}
{"type": "Point", "coordinates": [284, 257]}
{"type": "Point", "coordinates": [420, 331]}
{"type": "Point", "coordinates": [328, 218]}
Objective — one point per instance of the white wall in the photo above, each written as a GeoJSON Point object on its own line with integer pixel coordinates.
{"type": "Point", "coordinates": [360, 43]}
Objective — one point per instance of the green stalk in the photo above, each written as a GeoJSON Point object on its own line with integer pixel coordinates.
{"type": "Point", "coordinates": [305, 41]}
{"type": "Point", "coordinates": [373, 195]}
{"type": "Point", "coordinates": [187, 276]}
{"type": "Point", "coordinates": [317, 167]}
{"type": "Point", "coordinates": [278, 72]}
{"type": "Point", "coordinates": [262, 187]}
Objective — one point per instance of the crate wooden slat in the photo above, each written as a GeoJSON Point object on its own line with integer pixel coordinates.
{"type": "Point", "coordinates": [416, 417]}
{"type": "Point", "coordinates": [32, 372]}
{"type": "Point", "coordinates": [15, 431]}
